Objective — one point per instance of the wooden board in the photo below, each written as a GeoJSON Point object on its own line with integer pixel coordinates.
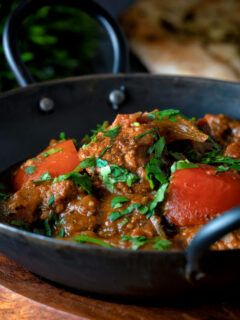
{"type": "Point", "coordinates": [25, 296]}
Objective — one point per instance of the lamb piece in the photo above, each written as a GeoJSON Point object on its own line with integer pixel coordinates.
{"type": "Point", "coordinates": [129, 147]}
{"type": "Point", "coordinates": [233, 150]}
{"type": "Point", "coordinates": [37, 201]}
{"type": "Point", "coordinates": [230, 241]}
{"type": "Point", "coordinates": [222, 128]}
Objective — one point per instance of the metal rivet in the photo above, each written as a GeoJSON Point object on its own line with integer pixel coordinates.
{"type": "Point", "coordinates": [46, 105]}
{"type": "Point", "coordinates": [117, 97]}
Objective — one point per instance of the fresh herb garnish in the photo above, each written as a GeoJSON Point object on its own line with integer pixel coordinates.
{"type": "Point", "coordinates": [117, 202]}
{"type": "Point", "coordinates": [125, 221]}
{"type": "Point", "coordinates": [144, 133]}
{"type": "Point", "coordinates": [154, 171]}
{"type": "Point", "coordinates": [87, 163]}
{"type": "Point", "coordinates": [48, 231]}
{"type": "Point", "coordinates": [227, 161]}
{"type": "Point", "coordinates": [4, 196]}
{"type": "Point", "coordinates": [137, 242]}
{"type": "Point", "coordinates": [87, 139]}
{"type": "Point", "coordinates": [61, 233]}
{"type": "Point", "coordinates": [157, 148]}
{"type": "Point", "coordinates": [116, 215]}
{"type": "Point", "coordinates": [182, 164]}
{"type": "Point", "coordinates": [101, 163]}
{"type": "Point", "coordinates": [62, 136]}
{"type": "Point", "coordinates": [160, 194]}
{"type": "Point", "coordinates": [114, 173]}
{"type": "Point", "coordinates": [168, 114]}
{"type": "Point", "coordinates": [21, 225]}
{"type": "Point", "coordinates": [104, 150]}
{"type": "Point", "coordinates": [78, 178]}
{"type": "Point", "coordinates": [51, 200]}
{"type": "Point", "coordinates": [44, 177]}
{"type": "Point", "coordinates": [30, 170]}
{"type": "Point", "coordinates": [50, 151]}
{"type": "Point", "coordinates": [83, 238]}
{"type": "Point", "coordinates": [112, 133]}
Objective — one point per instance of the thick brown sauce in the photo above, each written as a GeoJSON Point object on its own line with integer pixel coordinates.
{"type": "Point", "coordinates": [77, 212]}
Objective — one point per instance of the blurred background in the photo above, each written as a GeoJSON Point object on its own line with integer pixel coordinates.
{"type": "Point", "coordinates": [186, 37]}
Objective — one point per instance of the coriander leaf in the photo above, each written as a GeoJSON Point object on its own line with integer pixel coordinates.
{"type": "Point", "coordinates": [117, 202]}
{"type": "Point", "coordinates": [44, 177]}
{"type": "Point", "coordinates": [61, 233]}
{"type": "Point", "coordinates": [4, 196]}
{"type": "Point", "coordinates": [50, 151]}
{"type": "Point", "coordinates": [104, 150]}
{"type": "Point", "coordinates": [51, 200]}
{"type": "Point", "coordinates": [78, 178]}
{"type": "Point", "coordinates": [161, 243]}
{"type": "Point", "coordinates": [157, 148]}
{"type": "Point", "coordinates": [125, 221]}
{"type": "Point", "coordinates": [101, 163]}
{"type": "Point", "coordinates": [47, 227]}
{"type": "Point", "coordinates": [222, 168]}
{"type": "Point", "coordinates": [217, 159]}
{"type": "Point", "coordinates": [112, 133]}
{"type": "Point", "coordinates": [176, 155]}
{"type": "Point", "coordinates": [87, 163]}
{"type": "Point", "coordinates": [116, 215]}
{"type": "Point", "coordinates": [143, 134]}
{"type": "Point", "coordinates": [168, 114]}
{"type": "Point", "coordinates": [30, 170]}
{"type": "Point", "coordinates": [153, 170]}
{"type": "Point", "coordinates": [182, 164]}
{"type": "Point", "coordinates": [22, 225]}
{"type": "Point", "coordinates": [160, 194]}
{"type": "Point", "coordinates": [137, 242]}
{"type": "Point", "coordinates": [62, 136]}
{"type": "Point", "coordinates": [83, 238]}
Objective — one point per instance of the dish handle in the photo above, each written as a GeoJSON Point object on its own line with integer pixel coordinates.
{"type": "Point", "coordinates": [23, 77]}
{"type": "Point", "coordinates": [208, 235]}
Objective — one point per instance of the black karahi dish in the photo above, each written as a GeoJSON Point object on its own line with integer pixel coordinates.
{"type": "Point", "coordinates": [31, 116]}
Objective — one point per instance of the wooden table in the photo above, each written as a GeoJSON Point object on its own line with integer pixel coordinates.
{"type": "Point", "coordinates": [25, 296]}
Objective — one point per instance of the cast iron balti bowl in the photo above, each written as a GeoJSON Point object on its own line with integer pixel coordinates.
{"type": "Point", "coordinates": [31, 116]}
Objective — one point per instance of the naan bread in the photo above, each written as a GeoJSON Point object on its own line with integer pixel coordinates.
{"type": "Point", "coordinates": [187, 37]}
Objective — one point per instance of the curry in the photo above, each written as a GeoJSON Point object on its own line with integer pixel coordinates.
{"type": "Point", "coordinates": [147, 181]}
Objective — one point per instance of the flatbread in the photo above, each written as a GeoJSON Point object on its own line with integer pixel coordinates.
{"type": "Point", "coordinates": [186, 37]}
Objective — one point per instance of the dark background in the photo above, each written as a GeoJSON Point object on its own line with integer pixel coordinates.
{"type": "Point", "coordinates": [58, 42]}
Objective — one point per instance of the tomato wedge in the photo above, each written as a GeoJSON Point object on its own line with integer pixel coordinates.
{"type": "Point", "coordinates": [58, 159]}
{"type": "Point", "coordinates": [198, 194]}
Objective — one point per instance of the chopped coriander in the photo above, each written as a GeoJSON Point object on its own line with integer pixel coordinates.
{"type": "Point", "coordinates": [162, 243]}
{"type": "Point", "coordinates": [117, 202]}
{"type": "Point", "coordinates": [217, 159]}
{"type": "Point", "coordinates": [116, 215]}
{"type": "Point", "coordinates": [61, 233]}
{"type": "Point", "coordinates": [222, 168]}
{"type": "Point", "coordinates": [157, 147]}
{"type": "Point", "coordinates": [182, 164]}
{"type": "Point", "coordinates": [87, 163]}
{"type": "Point", "coordinates": [176, 155]}
{"type": "Point", "coordinates": [62, 136]}
{"type": "Point", "coordinates": [51, 200]}
{"type": "Point", "coordinates": [4, 196]}
{"type": "Point", "coordinates": [160, 194]}
{"type": "Point", "coordinates": [153, 170]}
{"type": "Point", "coordinates": [19, 224]}
{"type": "Point", "coordinates": [114, 173]}
{"type": "Point", "coordinates": [62, 221]}
{"type": "Point", "coordinates": [48, 231]}
{"type": "Point", "coordinates": [137, 242]}
{"type": "Point", "coordinates": [30, 170]}
{"type": "Point", "coordinates": [144, 133]}
{"type": "Point", "coordinates": [34, 159]}
{"type": "Point", "coordinates": [168, 114]}
{"type": "Point", "coordinates": [50, 151]}
{"type": "Point", "coordinates": [78, 178]}
{"type": "Point", "coordinates": [136, 124]}
{"type": "Point", "coordinates": [83, 239]}
{"type": "Point", "coordinates": [125, 221]}
{"type": "Point", "coordinates": [101, 163]}
{"type": "Point", "coordinates": [44, 177]}
{"type": "Point", "coordinates": [53, 217]}
{"type": "Point", "coordinates": [104, 150]}
{"type": "Point", "coordinates": [112, 133]}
